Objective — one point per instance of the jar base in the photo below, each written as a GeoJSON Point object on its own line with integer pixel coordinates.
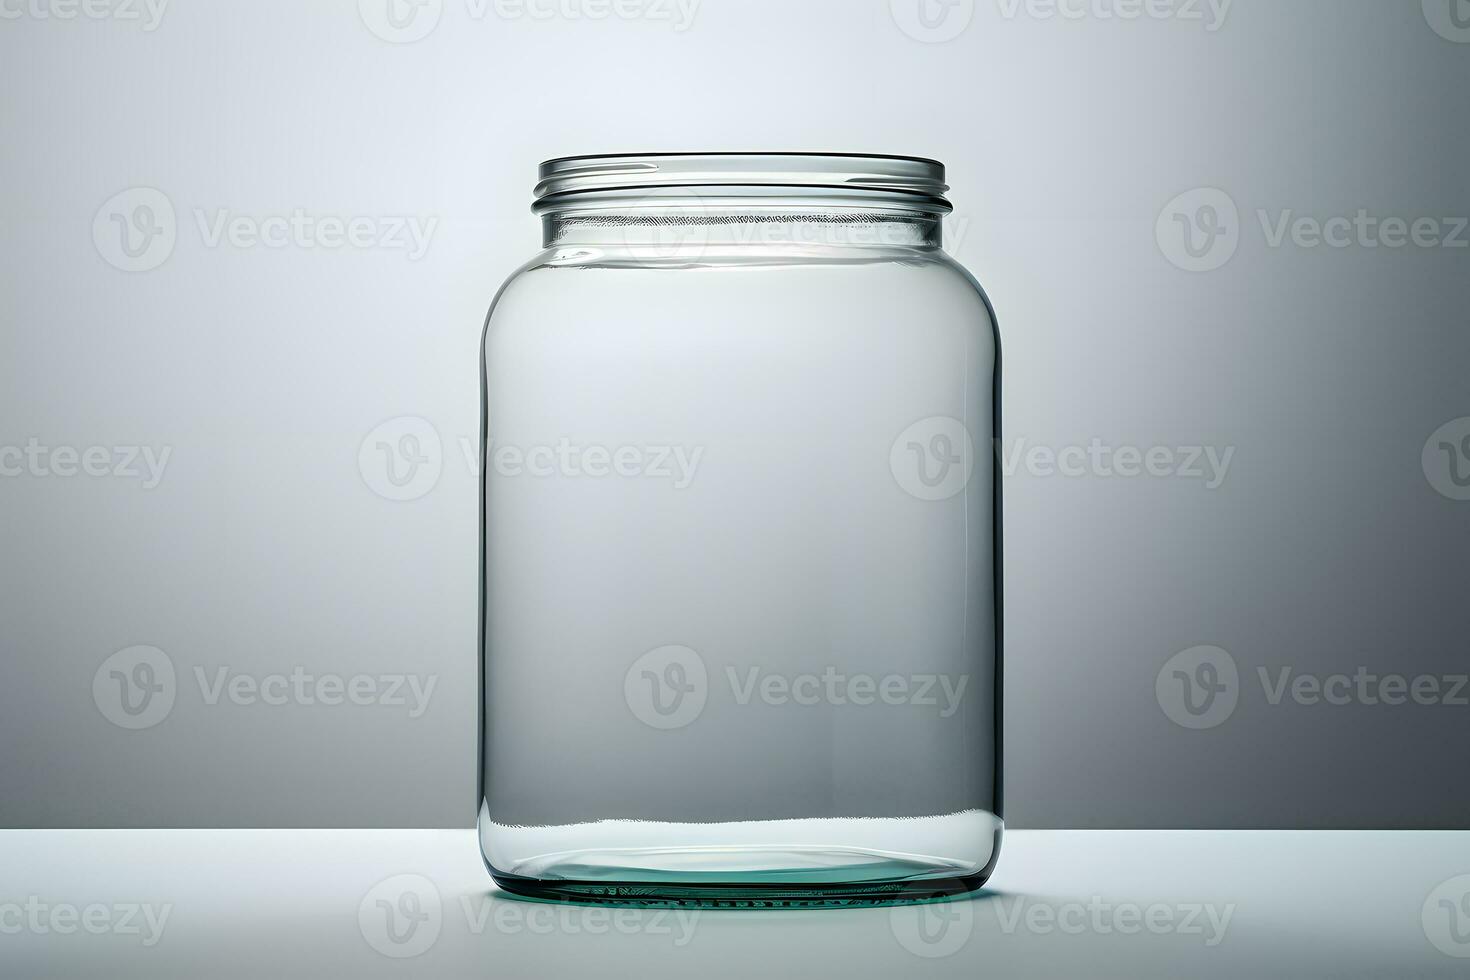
{"type": "Point", "coordinates": [829, 862]}
{"type": "Point", "coordinates": [742, 895]}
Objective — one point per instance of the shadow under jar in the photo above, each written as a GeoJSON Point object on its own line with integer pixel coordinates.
{"type": "Point", "coordinates": [740, 611]}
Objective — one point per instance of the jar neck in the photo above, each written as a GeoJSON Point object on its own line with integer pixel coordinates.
{"type": "Point", "coordinates": [745, 226]}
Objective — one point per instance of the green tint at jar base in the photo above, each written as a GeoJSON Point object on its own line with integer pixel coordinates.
{"type": "Point", "coordinates": [740, 615]}
{"type": "Point", "coordinates": [754, 864]}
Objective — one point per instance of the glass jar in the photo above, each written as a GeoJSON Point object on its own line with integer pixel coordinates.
{"type": "Point", "coordinates": [740, 611]}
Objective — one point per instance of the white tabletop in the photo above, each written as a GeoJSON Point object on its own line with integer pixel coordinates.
{"type": "Point", "coordinates": [306, 903]}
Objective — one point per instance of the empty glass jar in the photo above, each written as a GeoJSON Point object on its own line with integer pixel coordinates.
{"type": "Point", "coordinates": [740, 618]}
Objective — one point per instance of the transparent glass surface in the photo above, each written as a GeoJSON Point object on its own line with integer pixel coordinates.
{"type": "Point", "coordinates": [740, 620]}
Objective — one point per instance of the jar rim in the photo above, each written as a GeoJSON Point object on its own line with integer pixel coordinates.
{"type": "Point", "coordinates": [666, 179]}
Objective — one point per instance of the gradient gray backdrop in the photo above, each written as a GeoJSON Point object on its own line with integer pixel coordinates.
{"type": "Point", "coordinates": [263, 369]}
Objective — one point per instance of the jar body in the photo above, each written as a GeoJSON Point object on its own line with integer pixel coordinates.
{"type": "Point", "coordinates": [740, 577]}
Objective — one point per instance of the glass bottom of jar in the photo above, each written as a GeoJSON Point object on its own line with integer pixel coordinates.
{"type": "Point", "coordinates": [740, 895]}
{"type": "Point", "coordinates": [827, 862]}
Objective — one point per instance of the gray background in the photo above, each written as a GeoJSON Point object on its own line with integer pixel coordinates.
{"type": "Point", "coordinates": [263, 369]}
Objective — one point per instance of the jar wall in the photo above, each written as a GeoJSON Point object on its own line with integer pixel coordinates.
{"type": "Point", "coordinates": [740, 597]}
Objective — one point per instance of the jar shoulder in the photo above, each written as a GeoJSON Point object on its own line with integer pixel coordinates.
{"type": "Point", "coordinates": [904, 287]}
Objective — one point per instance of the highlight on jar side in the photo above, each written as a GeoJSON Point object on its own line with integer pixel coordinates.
{"type": "Point", "coordinates": [740, 552]}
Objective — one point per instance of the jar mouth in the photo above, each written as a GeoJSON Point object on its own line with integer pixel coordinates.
{"type": "Point", "coordinates": [671, 180]}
